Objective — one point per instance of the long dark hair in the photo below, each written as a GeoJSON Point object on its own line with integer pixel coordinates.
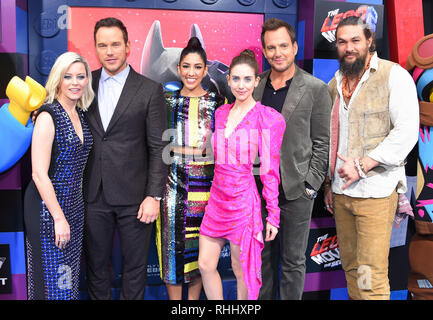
{"type": "Point", "coordinates": [358, 21]}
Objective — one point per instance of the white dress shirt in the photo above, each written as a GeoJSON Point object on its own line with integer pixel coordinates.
{"type": "Point", "coordinates": [109, 90]}
{"type": "Point", "coordinates": [393, 150]}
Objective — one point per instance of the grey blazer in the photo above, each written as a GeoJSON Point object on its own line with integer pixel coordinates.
{"type": "Point", "coordinates": [127, 158]}
{"type": "Point", "coordinates": [304, 152]}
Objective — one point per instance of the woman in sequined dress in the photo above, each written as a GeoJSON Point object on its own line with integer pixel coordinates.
{"type": "Point", "coordinates": [53, 204]}
{"type": "Point", "coordinates": [190, 122]}
{"type": "Point", "coordinates": [233, 213]}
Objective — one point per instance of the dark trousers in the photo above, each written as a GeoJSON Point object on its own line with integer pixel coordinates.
{"type": "Point", "coordinates": [101, 220]}
{"type": "Point", "coordinates": [288, 247]}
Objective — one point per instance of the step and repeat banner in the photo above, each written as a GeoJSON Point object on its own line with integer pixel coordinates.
{"type": "Point", "coordinates": [225, 28]}
{"type": "Point", "coordinates": [14, 61]}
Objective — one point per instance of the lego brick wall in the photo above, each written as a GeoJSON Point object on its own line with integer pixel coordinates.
{"type": "Point", "coordinates": [34, 33]}
{"type": "Point", "coordinates": [13, 61]}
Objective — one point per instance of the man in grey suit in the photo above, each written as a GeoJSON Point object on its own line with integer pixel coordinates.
{"type": "Point", "coordinates": [305, 103]}
{"type": "Point", "coordinates": [125, 175]}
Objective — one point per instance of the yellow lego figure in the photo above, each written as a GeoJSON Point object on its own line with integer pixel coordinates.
{"type": "Point", "coordinates": [16, 128]}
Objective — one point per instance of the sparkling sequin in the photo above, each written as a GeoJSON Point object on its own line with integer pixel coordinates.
{"type": "Point", "coordinates": [188, 184]}
{"type": "Point", "coordinates": [60, 268]}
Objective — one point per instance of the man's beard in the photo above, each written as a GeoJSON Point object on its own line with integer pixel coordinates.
{"type": "Point", "coordinates": [352, 69]}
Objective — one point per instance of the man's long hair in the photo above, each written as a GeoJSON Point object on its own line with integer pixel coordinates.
{"type": "Point", "coordinates": [358, 21]}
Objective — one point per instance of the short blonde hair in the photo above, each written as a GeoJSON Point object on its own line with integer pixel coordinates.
{"type": "Point", "coordinates": [61, 65]}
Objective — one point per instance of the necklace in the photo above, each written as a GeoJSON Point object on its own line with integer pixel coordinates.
{"type": "Point", "coordinates": [347, 93]}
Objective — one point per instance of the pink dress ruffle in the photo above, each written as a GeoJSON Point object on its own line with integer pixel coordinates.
{"type": "Point", "coordinates": [233, 210]}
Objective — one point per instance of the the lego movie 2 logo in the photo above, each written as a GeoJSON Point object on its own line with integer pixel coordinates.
{"type": "Point", "coordinates": [367, 13]}
{"type": "Point", "coordinates": [325, 252]}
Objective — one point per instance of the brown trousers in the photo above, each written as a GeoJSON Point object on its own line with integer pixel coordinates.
{"type": "Point", "coordinates": [364, 227]}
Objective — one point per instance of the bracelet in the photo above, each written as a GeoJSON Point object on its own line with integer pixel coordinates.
{"type": "Point", "coordinates": [361, 164]}
{"type": "Point", "coordinates": [358, 168]}
{"type": "Point", "coordinates": [326, 183]}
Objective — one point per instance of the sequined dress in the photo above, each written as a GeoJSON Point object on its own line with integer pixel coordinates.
{"type": "Point", "coordinates": [233, 211]}
{"type": "Point", "coordinates": [52, 273]}
{"type": "Point", "coordinates": [190, 122]}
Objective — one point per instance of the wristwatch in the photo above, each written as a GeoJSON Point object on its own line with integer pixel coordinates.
{"type": "Point", "coordinates": [309, 191]}
{"type": "Point", "coordinates": [157, 198]}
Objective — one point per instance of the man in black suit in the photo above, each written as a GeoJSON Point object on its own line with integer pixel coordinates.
{"type": "Point", "coordinates": [125, 174]}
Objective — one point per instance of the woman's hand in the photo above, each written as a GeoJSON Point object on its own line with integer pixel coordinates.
{"type": "Point", "coordinates": [271, 232]}
{"type": "Point", "coordinates": [62, 232]}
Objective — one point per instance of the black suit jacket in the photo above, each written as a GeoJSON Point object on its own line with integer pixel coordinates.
{"type": "Point", "coordinates": [127, 158]}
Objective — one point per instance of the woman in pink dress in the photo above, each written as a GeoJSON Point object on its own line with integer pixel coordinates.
{"type": "Point", "coordinates": [233, 212]}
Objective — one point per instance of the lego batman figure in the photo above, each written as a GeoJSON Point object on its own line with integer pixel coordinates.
{"type": "Point", "coordinates": [160, 64]}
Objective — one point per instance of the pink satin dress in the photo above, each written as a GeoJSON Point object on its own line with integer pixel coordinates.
{"type": "Point", "coordinates": [233, 211]}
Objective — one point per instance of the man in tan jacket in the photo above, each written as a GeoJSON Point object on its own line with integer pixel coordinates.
{"type": "Point", "coordinates": [374, 125]}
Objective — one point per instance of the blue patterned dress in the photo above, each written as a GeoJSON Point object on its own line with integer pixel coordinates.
{"type": "Point", "coordinates": [52, 273]}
